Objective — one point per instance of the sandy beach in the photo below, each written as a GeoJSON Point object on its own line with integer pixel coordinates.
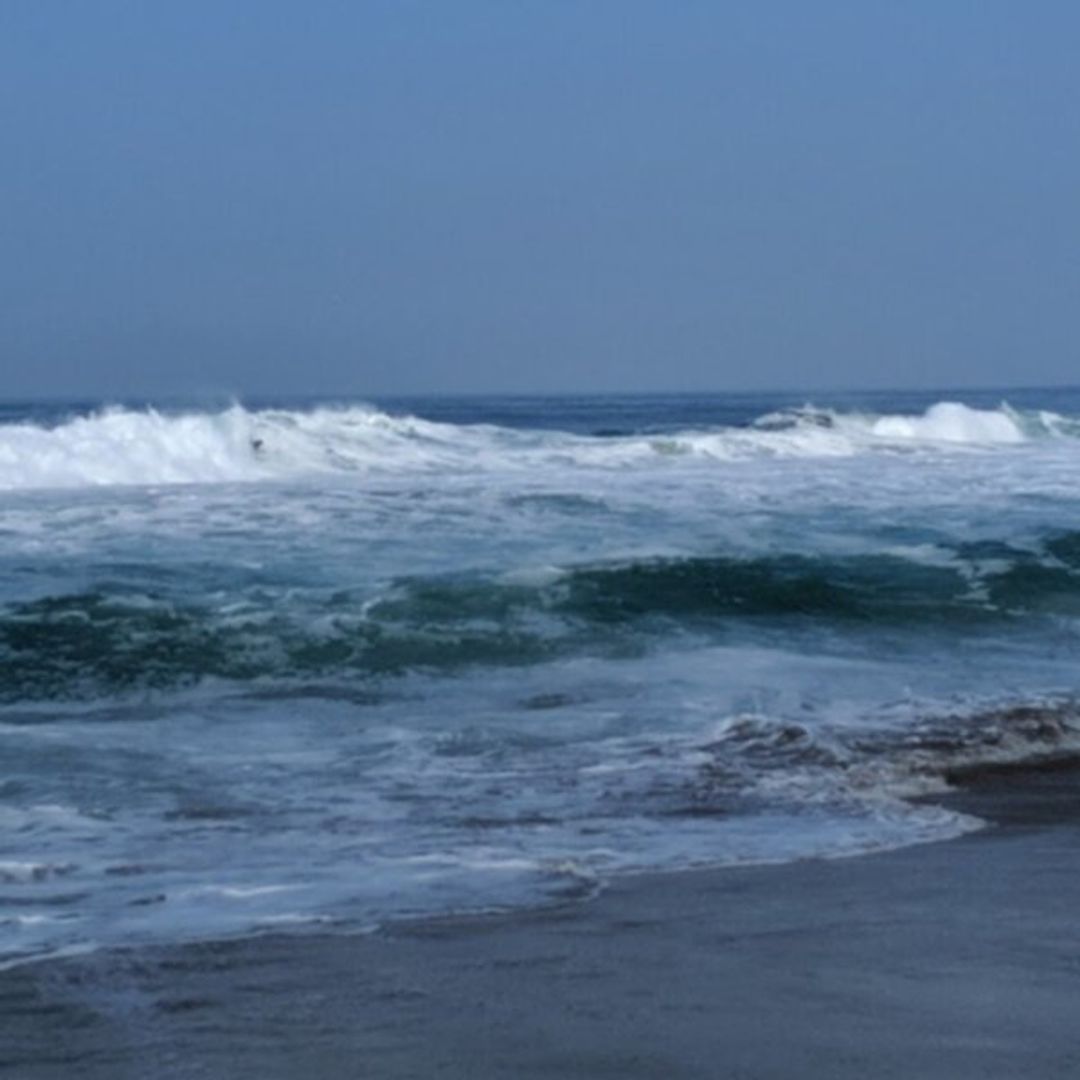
{"type": "Point", "coordinates": [953, 960]}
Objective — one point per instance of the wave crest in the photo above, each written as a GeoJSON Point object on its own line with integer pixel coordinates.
{"type": "Point", "coordinates": [123, 446]}
{"type": "Point", "coordinates": [145, 447]}
{"type": "Point", "coordinates": [112, 640]}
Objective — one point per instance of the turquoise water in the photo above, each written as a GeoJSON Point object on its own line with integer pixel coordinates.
{"type": "Point", "coordinates": [299, 663]}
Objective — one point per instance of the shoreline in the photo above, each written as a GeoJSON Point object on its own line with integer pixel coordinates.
{"type": "Point", "coordinates": [952, 959]}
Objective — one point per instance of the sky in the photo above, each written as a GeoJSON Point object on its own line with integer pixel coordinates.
{"type": "Point", "coordinates": [372, 197]}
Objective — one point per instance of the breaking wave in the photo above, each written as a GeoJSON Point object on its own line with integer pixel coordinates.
{"type": "Point", "coordinates": [122, 446]}
{"type": "Point", "coordinates": [115, 640]}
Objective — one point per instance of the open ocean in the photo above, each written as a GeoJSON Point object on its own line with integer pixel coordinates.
{"type": "Point", "coordinates": [295, 664]}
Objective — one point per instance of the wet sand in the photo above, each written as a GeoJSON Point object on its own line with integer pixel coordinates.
{"type": "Point", "coordinates": [954, 960]}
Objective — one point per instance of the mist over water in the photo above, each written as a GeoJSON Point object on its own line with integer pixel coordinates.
{"type": "Point", "coordinates": [268, 664]}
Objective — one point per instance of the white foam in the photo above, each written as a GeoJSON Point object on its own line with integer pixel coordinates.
{"type": "Point", "coordinates": [532, 577]}
{"type": "Point", "coordinates": [23, 873]}
{"type": "Point", "coordinates": [119, 446]}
{"type": "Point", "coordinates": [951, 422]}
{"type": "Point", "coordinates": [244, 892]}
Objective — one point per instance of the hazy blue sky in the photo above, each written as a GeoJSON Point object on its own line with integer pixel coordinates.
{"type": "Point", "coordinates": [368, 197]}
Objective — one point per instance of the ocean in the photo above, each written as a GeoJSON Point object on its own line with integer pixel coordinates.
{"type": "Point", "coordinates": [291, 664]}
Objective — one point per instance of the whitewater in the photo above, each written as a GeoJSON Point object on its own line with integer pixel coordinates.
{"type": "Point", "coordinates": [278, 665]}
{"type": "Point", "coordinates": [116, 446]}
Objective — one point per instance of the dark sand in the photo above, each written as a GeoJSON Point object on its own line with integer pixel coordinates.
{"type": "Point", "coordinates": [951, 960]}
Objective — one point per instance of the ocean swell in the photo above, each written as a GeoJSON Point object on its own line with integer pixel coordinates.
{"type": "Point", "coordinates": [114, 639]}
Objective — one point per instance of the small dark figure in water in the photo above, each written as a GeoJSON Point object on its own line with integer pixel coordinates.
{"type": "Point", "coordinates": [256, 446]}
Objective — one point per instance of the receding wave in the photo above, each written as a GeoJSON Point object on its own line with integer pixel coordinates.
{"type": "Point", "coordinates": [924, 756]}
{"type": "Point", "coordinates": [114, 640]}
{"type": "Point", "coordinates": [122, 446]}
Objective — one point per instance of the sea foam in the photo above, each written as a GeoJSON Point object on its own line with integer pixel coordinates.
{"type": "Point", "coordinates": [120, 446]}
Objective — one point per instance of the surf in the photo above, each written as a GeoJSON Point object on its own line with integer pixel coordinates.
{"type": "Point", "coordinates": [120, 446]}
